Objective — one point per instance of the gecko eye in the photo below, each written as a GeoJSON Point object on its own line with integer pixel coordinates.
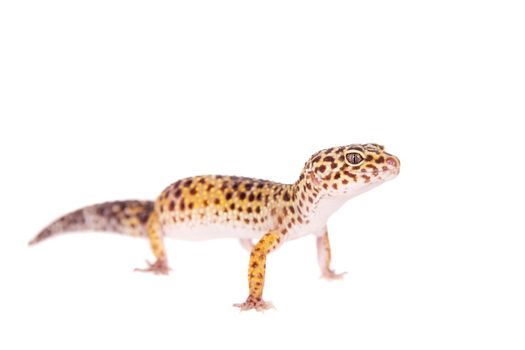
{"type": "Point", "coordinates": [354, 158]}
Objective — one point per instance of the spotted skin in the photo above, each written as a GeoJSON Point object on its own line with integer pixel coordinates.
{"type": "Point", "coordinates": [257, 270]}
{"type": "Point", "coordinates": [214, 206]}
{"type": "Point", "coordinates": [156, 240]}
{"type": "Point", "coordinates": [126, 217]}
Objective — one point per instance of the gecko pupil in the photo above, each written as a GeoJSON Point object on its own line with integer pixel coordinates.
{"type": "Point", "coordinates": [354, 158]}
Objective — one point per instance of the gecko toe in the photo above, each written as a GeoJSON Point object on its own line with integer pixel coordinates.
{"type": "Point", "coordinates": [253, 303]}
{"type": "Point", "coordinates": [332, 276]}
{"type": "Point", "coordinates": [159, 267]}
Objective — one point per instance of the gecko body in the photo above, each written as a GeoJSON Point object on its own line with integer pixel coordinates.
{"type": "Point", "coordinates": [266, 212]}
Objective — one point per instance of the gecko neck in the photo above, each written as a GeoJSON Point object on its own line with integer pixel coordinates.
{"type": "Point", "coordinates": [313, 204]}
{"type": "Point", "coordinates": [316, 204]}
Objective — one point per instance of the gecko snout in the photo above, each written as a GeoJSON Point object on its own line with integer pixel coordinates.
{"type": "Point", "coordinates": [394, 163]}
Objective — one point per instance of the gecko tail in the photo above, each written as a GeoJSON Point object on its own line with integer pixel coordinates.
{"type": "Point", "coordinates": [125, 217]}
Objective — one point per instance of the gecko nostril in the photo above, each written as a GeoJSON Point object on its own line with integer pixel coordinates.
{"type": "Point", "coordinates": [391, 161]}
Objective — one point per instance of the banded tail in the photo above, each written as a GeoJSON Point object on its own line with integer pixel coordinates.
{"type": "Point", "coordinates": [125, 217]}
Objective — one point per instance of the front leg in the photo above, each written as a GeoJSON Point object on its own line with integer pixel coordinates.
{"type": "Point", "coordinates": [324, 257]}
{"type": "Point", "coordinates": [257, 270]}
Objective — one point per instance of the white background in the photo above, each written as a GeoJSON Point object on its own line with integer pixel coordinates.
{"type": "Point", "coordinates": [103, 100]}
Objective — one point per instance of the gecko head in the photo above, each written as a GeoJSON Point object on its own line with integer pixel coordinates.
{"type": "Point", "coordinates": [350, 170]}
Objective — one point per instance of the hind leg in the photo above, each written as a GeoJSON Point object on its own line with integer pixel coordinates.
{"type": "Point", "coordinates": [160, 266]}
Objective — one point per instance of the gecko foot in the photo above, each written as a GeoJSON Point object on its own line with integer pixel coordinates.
{"type": "Point", "coordinates": [332, 276]}
{"type": "Point", "coordinates": [253, 303]}
{"type": "Point", "coordinates": [159, 267]}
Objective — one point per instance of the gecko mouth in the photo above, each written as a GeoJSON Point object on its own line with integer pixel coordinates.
{"type": "Point", "coordinates": [378, 173]}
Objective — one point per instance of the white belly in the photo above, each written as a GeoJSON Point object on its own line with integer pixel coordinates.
{"type": "Point", "coordinates": [211, 231]}
{"type": "Point", "coordinates": [201, 232]}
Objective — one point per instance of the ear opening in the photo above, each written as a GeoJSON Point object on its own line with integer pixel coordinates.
{"type": "Point", "coordinates": [313, 177]}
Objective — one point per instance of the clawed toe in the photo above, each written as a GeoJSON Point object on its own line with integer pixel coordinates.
{"type": "Point", "coordinates": [253, 303]}
{"type": "Point", "coordinates": [332, 276]}
{"type": "Point", "coordinates": [159, 267]}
